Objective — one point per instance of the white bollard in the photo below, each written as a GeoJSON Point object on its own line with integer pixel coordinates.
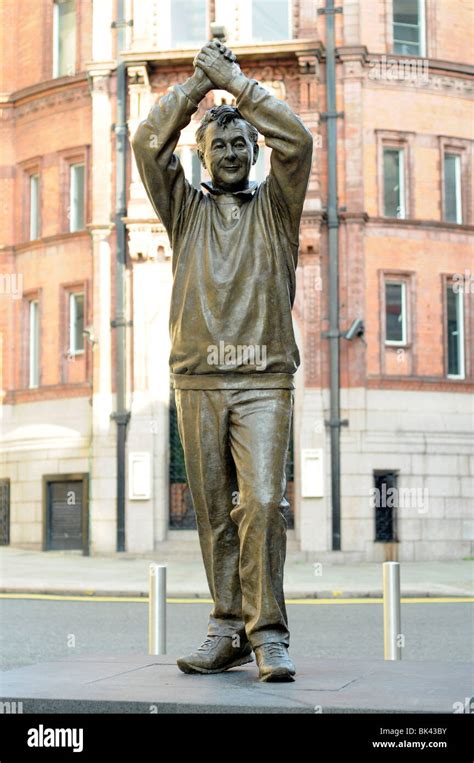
{"type": "Point", "coordinates": [391, 611]}
{"type": "Point", "coordinates": [157, 609]}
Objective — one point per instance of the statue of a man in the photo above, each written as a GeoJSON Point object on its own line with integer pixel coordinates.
{"type": "Point", "coordinates": [233, 353]}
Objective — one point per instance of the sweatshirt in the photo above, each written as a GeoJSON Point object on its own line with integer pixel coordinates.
{"type": "Point", "coordinates": [234, 255]}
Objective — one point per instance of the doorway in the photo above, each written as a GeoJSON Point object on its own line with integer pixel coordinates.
{"type": "Point", "coordinates": [65, 512]}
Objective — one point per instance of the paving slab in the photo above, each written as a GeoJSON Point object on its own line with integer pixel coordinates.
{"type": "Point", "coordinates": [100, 683]}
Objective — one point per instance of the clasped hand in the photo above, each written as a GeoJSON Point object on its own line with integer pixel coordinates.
{"type": "Point", "coordinates": [217, 63]}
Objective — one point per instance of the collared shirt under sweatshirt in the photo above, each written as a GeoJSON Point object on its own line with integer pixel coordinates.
{"type": "Point", "coordinates": [234, 254]}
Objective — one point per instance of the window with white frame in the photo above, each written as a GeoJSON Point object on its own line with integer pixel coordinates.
{"type": "Point", "coordinates": [409, 27]}
{"type": "Point", "coordinates": [455, 330]}
{"type": "Point", "coordinates": [76, 323]}
{"type": "Point", "coordinates": [395, 313]}
{"type": "Point", "coordinates": [34, 207]}
{"type": "Point", "coordinates": [265, 20]}
{"type": "Point", "coordinates": [393, 183]}
{"type": "Point", "coordinates": [33, 343]}
{"type": "Point", "coordinates": [77, 197]}
{"type": "Point", "coordinates": [452, 188]}
{"type": "Point", "coordinates": [187, 22]}
{"type": "Point", "coordinates": [64, 38]}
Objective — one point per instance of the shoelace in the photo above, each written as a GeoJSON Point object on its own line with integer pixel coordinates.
{"type": "Point", "coordinates": [205, 646]}
{"type": "Point", "coordinates": [275, 649]}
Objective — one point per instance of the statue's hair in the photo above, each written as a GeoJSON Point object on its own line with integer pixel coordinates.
{"type": "Point", "coordinates": [223, 115]}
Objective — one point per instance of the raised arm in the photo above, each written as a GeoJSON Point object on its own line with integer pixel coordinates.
{"type": "Point", "coordinates": [284, 132]}
{"type": "Point", "coordinates": [154, 143]}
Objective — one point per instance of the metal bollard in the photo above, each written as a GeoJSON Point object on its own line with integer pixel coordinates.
{"type": "Point", "coordinates": [157, 609]}
{"type": "Point", "coordinates": [391, 611]}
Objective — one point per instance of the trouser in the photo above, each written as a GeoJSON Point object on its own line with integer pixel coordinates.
{"type": "Point", "coordinates": [235, 446]}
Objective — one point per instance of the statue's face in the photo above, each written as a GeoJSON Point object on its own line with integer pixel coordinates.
{"type": "Point", "coordinates": [229, 154]}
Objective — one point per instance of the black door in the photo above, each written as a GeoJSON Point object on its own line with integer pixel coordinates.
{"type": "Point", "coordinates": [386, 506]}
{"type": "Point", "coordinates": [65, 515]}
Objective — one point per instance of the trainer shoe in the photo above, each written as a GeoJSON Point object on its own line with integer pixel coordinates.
{"type": "Point", "coordinates": [274, 662]}
{"type": "Point", "coordinates": [216, 654]}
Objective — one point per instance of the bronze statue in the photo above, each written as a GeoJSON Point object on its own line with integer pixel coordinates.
{"type": "Point", "coordinates": [233, 355]}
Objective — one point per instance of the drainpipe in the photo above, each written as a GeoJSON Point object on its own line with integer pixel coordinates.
{"type": "Point", "coordinates": [333, 335]}
{"type": "Point", "coordinates": [121, 416]}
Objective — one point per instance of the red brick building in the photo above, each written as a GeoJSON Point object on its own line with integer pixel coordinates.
{"type": "Point", "coordinates": [405, 193]}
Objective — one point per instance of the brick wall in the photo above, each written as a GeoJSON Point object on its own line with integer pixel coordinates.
{"type": "Point", "coordinates": [40, 128]}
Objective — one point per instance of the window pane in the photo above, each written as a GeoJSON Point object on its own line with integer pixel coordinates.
{"type": "Point", "coordinates": [270, 20]}
{"type": "Point", "coordinates": [392, 179]}
{"type": "Point", "coordinates": [34, 207]}
{"type": "Point", "coordinates": [452, 188]}
{"type": "Point", "coordinates": [394, 318]}
{"type": "Point", "coordinates": [406, 27]}
{"type": "Point", "coordinates": [407, 49]}
{"type": "Point", "coordinates": [65, 37]}
{"type": "Point", "coordinates": [76, 203]}
{"type": "Point", "coordinates": [405, 11]}
{"type": "Point", "coordinates": [188, 23]}
{"type": "Point", "coordinates": [76, 341]}
{"type": "Point", "coordinates": [33, 370]}
{"type": "Point", "coordinates": [454, 331]}
{"type": "Point", "coordinates": [406, 33]}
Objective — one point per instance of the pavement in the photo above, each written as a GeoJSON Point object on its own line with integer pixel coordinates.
{"type": "Point", "coordinates": [143, 684]}
{"type": "Point", "coordinates": [131, 683]}
{"type": "Point", "coordinates": [71, 573]}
